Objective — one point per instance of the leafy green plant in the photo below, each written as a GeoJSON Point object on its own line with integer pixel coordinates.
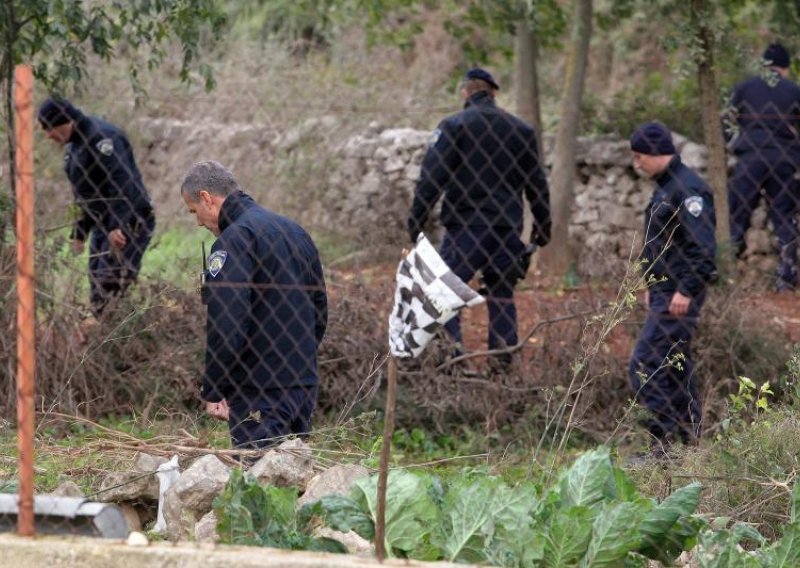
{"type": "Point", "coordinates": [262, 515]}
{"type": "Point", "coordinates": [720, 546]}
{"type": "Point", "coordinates": [790, 380]}
{"type": "Point", "coordinates": [591, 515]}
{"type": "Point", "coordinates": [748, 403]}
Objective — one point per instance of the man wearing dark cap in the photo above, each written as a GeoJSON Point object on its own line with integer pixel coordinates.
{"type": "Point", "coordinates": [765, 122]}
{"type": "Point", "coordinates": [483, 159]}
{"type": "Point", "coordinates": [108, 190]}
{"type": "Point", "coordinates": [678, 257]}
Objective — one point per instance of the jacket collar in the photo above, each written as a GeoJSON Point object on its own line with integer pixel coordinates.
{"type": "Point", "coordinates": [481, 98]}
{"type": "Point", "coordinates": [81, 128]}
{"type": "Point", "coordinates": [666, 176]}
{"type": "Point", "coordinates": [233, 206]}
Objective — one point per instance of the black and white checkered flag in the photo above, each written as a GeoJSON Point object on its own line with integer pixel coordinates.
{"type": "Point", "coordinates": [428, 295]}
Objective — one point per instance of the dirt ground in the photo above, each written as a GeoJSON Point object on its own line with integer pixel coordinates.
{"type": "Point", "coordinates": [539, 300]}
{"type": "Point", "coordinates": [744, 331]}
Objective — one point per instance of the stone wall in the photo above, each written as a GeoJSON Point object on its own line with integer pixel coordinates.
{"type": "Point", "coordinates": [372, 184]}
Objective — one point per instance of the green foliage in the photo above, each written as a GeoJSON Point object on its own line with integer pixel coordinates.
{"type": "Point", "coordinates": [410, 511]}
{"type": "Point", "coordinates": [592, 516]}
{"type": "Point", "coordinates": [305, 24]}
{"type": "Point", "coordinates": [261, 515]}
{"type": "Point", "coordinates": [482, 517]}
{"type": "Point", "coordinates": [667, 528]}
{"type": "Point", "coordinates": [584, 482]}
{"type": "Point", "coordinates": [718, 548]}
{"type": "Point", "coordinates": [673, 100]}
{"type": "Point", "coordinates": [790, 380]}
{"type": "Point", "coordinates": [175, 256]}
{"type": "Point", "coordinates": [56, 37]}
{"type": "Point", "coordinates": [485, 27]}
{"type": "Point", "coordinates": [568, 535]}
{"type": "Point", "coordinates": [750, 400]}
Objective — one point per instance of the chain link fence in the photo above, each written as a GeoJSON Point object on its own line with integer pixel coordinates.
{"type": "Point", "coordinates": [479, 344]}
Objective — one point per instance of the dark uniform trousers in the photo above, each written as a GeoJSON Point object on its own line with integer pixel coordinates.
{"type": "Point", "coordinates": [494, 252]}
{"type": "Point", "coordinates": [112, 270]}
{"type": "Point", "coordinates": [776, 176]}
{"type": "Point", "coordinates": [661, 369]}
{"type": "Point", "coordinates": [260, 420]}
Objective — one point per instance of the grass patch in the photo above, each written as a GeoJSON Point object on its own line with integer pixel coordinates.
{"type": "Point", "coordinates": [73, 449]}
{"type": "Point", "coordinates": [175, 256]}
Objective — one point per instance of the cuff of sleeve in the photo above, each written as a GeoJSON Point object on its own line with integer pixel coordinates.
{"type": "Point", "coordinates": [211, 393]}
{"type": "Point", "coordinates": [690, 289]}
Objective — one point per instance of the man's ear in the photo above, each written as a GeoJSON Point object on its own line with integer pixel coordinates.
{"type": "Point", "coordinates": [204, 197]}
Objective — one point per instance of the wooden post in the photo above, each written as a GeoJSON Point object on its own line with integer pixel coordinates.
{"type": "Point", "coordinates": [26, 349]}
{"type": "Point", "coordinates": [386, 451]}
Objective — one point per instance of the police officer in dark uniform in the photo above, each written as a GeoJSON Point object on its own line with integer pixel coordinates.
{"type": "Point", "coordinates": [766, 113]}
{"type": "Point", "coordinates": [267, 311]}
{"type": "Point", "coordinates": [679, 253]}
{"type": "Point", "coordinates": [108, 189]}
{"type": "Point", "coordinates": [483, 160]}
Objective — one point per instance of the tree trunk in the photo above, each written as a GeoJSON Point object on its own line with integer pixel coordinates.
{"type": "Point", "coordinates": [557, 257]}
{"type": "Point", "coordinates": [526, 80]}
{"type": "Point", "coordinates": [7, 93]}
{"type": "Point", "coordinates": [712, 127]}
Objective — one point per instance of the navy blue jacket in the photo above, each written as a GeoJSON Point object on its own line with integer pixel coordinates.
{"type": "Point", "coordinates": [106, 182]}
{"type": "Point", "coordinates": [679, 231]}
{"type": "Point", "coordinates": [482, 159]}
{"type": "Point", "coordinates": [267, 305]}
{"type": "Point", "coordinates": [767, 112]}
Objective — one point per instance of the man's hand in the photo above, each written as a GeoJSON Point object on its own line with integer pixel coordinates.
{"type": "Point", "coordinates": [117, 239]}
{"type": "Point", "coordinates": [646, 298]}
{"type": "Point", "coordinates": [679, 305]}
{"type": "Point", "coordinates": [77, 246]}
{"type": "Point", "coordinates": [218, 410]}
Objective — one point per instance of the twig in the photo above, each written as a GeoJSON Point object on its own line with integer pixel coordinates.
{"type": "Point", "coordinates": [520, 344]}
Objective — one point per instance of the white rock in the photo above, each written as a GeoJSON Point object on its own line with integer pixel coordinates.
{"type": "Point", "coordinates": [205, 530]}
{"type": "Point", "coordinates": [336, 480]}
{"type": "Point", "coordinates": [201, 482]}
{"type": "Point", "coordinates": [288, 465]}
{"type": "Point", "coordinates": [67, 489]}
{"type": "Point", "coordinates": [354, 543]}
{"type": "Point", "coordinates": [137, 539]}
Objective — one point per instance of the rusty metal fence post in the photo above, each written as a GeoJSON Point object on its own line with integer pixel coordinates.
{"type": "Point", "coordinates": [23, 103]}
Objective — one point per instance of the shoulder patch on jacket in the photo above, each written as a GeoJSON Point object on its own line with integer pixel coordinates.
{"type": "Point", "coordinates": [216, 261]}
{"type": "Point", "coordinates": [105, 146]}
{"type": "Point", "coordinates": [434, 137]}
{"type": "Point", "coordinates": [694, 205]}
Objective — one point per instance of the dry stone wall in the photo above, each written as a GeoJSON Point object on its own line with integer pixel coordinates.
{"type": "Point", "coordinates": [372, 185]}
{"type": "Point", "coordinates": [362, 185]}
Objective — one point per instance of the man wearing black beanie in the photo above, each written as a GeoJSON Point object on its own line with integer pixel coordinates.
{"type": "Point", "coordinates": [763, 132]}
{"type": "Point", "coordinates": [678, 253]}
{"type": "Point", "coordinates": [108, 190]}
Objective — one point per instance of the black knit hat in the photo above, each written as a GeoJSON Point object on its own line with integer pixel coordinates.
{"type": "Point", "coordinates": [776, 56]}
{"type": "Point", "coordinates": [55, 112]}
{"type": "Point", "coordinates": [483, 75]}
{"type": "Point", "coordinates": [653, 139]}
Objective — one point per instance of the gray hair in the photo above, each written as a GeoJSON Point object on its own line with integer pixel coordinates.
{"type": "Point", "coordinates": [210, 176]}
